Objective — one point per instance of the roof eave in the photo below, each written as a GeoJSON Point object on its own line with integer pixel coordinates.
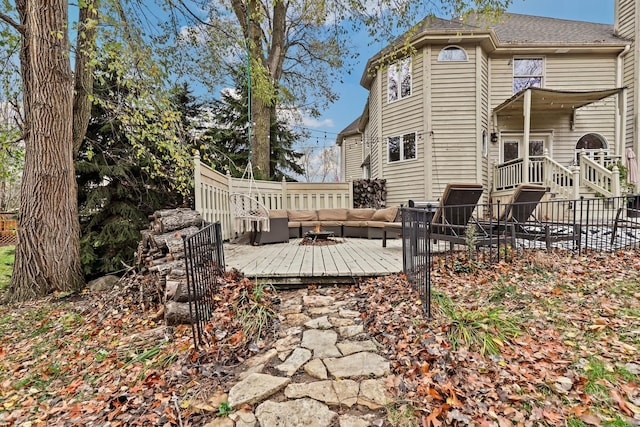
{"type": "Point", "coordinates": [426, 38]}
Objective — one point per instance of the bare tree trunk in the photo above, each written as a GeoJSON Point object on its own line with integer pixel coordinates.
{"type": "Point", "coordinates": [47, 251]}
{"type": "Point", "coordinates": [85, 49]}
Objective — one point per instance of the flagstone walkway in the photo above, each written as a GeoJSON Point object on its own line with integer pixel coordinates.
{"type": "Point", "coordinates": [324, 370]}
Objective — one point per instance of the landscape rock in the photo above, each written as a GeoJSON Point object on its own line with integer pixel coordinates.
{"type": "Point", "coordinates": [352, 421]}
{"type": "Point", "coordinates": [104, 283]}
{"type": "Point", "coordinates": [350, 331]}
{"type": "Point", "coordinates": [295, 413]}
{"type": "Point", "coordinates": [317, 300]}
{"type": "Point", "coordinates": [296, 319]}
{"type": "Point", "coordinates": [373, 394]}
{"type": "Point", "coordinates": [322, 343]}
{"type": "Point", "coordinates": [243, 418]}
{"type": "Point", "coordinates": [351, 347]}
{"type": "Point", "coordinates": [316, 369]}
{"type": "Point", "coordinates": [318, 323]}
{"type": "Point", "coordinates": [357, 365]}
{"type": "Point", "coordinates": [298, 357]}
{"type": "Point", "coordinates": [255, 388]}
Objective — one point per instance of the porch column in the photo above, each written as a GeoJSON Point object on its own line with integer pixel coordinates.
{"type": "Point", "coordinates": [526, 109]}
{"type": "Point", "coordinates": [622, 122]}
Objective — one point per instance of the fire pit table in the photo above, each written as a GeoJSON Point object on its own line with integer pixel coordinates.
{"type": "Point", "coordinates": [318, 235]}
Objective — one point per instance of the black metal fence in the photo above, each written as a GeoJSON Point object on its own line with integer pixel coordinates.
{"type": "Point", "coordinates": [488, 233]}
{"type": "Point", "coordinates": [204, 259]}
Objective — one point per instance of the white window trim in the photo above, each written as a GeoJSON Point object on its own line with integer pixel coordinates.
{"type": "Point", "coordinates": [466, 56]}
{"type": "Point", "coordinates": [542, 76]}
{"type": "Point", "coordinates": [398, 67]}
{"type": "Point", "coordinates": [402, 159]}
{"type": "Point", "coordinates": [545, 135]}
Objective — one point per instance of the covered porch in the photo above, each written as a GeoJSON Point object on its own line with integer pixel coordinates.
{"type": "Point", "coordinates": [585, 167]}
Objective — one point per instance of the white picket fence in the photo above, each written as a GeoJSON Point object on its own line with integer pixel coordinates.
{"type": "Point", "coordinates": [212, 191]}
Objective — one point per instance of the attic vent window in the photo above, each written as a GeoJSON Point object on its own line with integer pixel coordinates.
{"type": "Point", "coordinates": [452, 54]}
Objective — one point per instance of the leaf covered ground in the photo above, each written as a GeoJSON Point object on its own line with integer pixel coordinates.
{"type": "Point", "coordinates": [545, 340]}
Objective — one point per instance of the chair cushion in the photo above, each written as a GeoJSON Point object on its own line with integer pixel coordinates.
{"type": "Point", "coordinates": [360, 214]}
{"type": "Point", "coordinates": [302, 215]}
{"type": "Point", "coordinates": [278, 213]}
{"type": "Point", "coordinates": [338, 214]}
{"type": "Point", "coordinates": [387, 214]}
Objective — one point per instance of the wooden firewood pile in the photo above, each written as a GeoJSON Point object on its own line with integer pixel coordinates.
{"type": "Point", "coordinates": [161, 252]}
{"type": "Point", "coordinates": [370, 193]}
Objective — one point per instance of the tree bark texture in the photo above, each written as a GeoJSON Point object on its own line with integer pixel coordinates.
{"type": "Point", "coordinates": [47, 252]}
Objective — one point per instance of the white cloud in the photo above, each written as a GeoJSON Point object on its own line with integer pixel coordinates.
{"type": "Point", "coordinates": [314, 123]}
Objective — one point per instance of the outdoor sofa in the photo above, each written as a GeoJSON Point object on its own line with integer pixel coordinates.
{"type": "Point", "coordinates": [358, 222]}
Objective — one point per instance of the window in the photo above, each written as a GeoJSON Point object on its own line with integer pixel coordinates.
{"type": "Point", "coordinates": [527, 72]}
{"type": "Point", "coordinates": [452, 53]}
{"type": "Point", "coordinates": [591, 144]}
{"type": "Point", "coordinates": [511, 148]}
{"type": "Point", "coordinates": [401, 148]}
{"type": "Point", "coordinates": [399, 80]}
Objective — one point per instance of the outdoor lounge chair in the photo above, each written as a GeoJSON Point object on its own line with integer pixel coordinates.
{"type": "Point", "coordinates": [450, 221]}
{"type": "Point", "coordinates": [518, 219]}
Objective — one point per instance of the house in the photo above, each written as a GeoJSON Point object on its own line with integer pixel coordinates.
{"type": "Point", "coordinates": [525, 100]}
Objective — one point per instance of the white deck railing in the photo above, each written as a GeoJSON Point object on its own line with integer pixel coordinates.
{"type": "Point", "coordinates": [599, 178]}
{"type": "Point", "coordinates": [212, 191]}
{"type": "Point", "coordinates": [600, 175]}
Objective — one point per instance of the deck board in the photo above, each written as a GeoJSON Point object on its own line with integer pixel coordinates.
{"type": "Point", "coordinates": [292, 263]}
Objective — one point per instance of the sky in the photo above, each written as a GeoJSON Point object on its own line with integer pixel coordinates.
{"type": "Point", "coordinates": [353, 96]}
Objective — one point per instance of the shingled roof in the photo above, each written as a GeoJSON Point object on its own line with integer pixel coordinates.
{"type": "Point", "coordinates": [349, 130]}
{"type": "Point", "coordinates": [517, 29]}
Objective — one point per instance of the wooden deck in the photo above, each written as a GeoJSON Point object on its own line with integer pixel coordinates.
{"type": "Point", "coordinates": [294, 264]}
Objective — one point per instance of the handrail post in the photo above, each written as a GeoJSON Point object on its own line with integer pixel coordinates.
{"type": "Point", "coordinates": [284, 194]}
{"type": "Point", "coordinates": [576, 181]}
{"type": "Point", "coordinates": [615, 181]}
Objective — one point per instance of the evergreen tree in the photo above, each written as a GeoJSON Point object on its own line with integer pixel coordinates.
{"type": "Point", "coordinates": [118, 183]}
{"type": "Point", "coordinates": [226, 141]}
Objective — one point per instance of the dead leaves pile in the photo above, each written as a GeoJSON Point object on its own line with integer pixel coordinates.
{"type": "Point", "coordinates": [574, 363]}
{"type": "Point", "coordinates": [571, 359]}
{"type": "Point", "coordinates": [94, 359]}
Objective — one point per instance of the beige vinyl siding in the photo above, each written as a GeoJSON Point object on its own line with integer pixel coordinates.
{"type": "Point", "coordinates": [353, 157]}
{"type": "Point", "coordinates": [625, 16]}
{"type": "Point", "coordinates": [374, 125]}
{"type": "Point", "coordinates": [564, 72]}
{"type": "Point", "coordinates": [453, 108]}
{"type": "Point", "coordinates": [404, 178]}
{"type": "Point", "coordinates": [484, 117]}
{"type": "Point", "coordinates": [629, 71]}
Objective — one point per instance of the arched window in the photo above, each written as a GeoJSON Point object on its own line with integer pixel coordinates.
{"type": "Point", "coordinates": [592, 141]}
{"type": "Point", "coordinates": [591, 144]}
{"type": "Point", "coordinates": [452, 53]}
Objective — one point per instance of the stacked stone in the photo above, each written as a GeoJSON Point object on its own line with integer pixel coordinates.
{"type": "Point", "coordinates": [323, 370]}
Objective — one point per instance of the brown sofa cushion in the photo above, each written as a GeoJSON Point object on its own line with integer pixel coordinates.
{"type": "Point", "coordinates": [338, 214]}
{"type": "Point", "coordinates": [278, 213]}
{"type": "Point", "coordinates": [387, 214]}
{"type": "Point", "coordinates": [302, 215]}
{"type": "Point", "coordinates": [360, 214]}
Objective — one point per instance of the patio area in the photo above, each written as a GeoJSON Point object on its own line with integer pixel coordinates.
{"type": "Point", "coordinates": [347, 261]}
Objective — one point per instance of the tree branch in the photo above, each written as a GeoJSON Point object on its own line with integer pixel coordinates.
{"type": "Point", "coordinates": [14, 24]}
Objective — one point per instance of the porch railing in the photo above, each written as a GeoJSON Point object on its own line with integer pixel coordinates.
{"type": "Point", "coordinates": [598, 178]}
{"type": "Point", "coordinates": [599, 174]}
{"type": "Point", "coordinates": [212, 191]}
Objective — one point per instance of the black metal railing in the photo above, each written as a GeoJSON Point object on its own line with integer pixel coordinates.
{"type": "Point", "coordinates": [204, 259]}
{"type": "Point", "coordinates": [416, 252]}
{"type": "Point", "coordinates": [476, 235]}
